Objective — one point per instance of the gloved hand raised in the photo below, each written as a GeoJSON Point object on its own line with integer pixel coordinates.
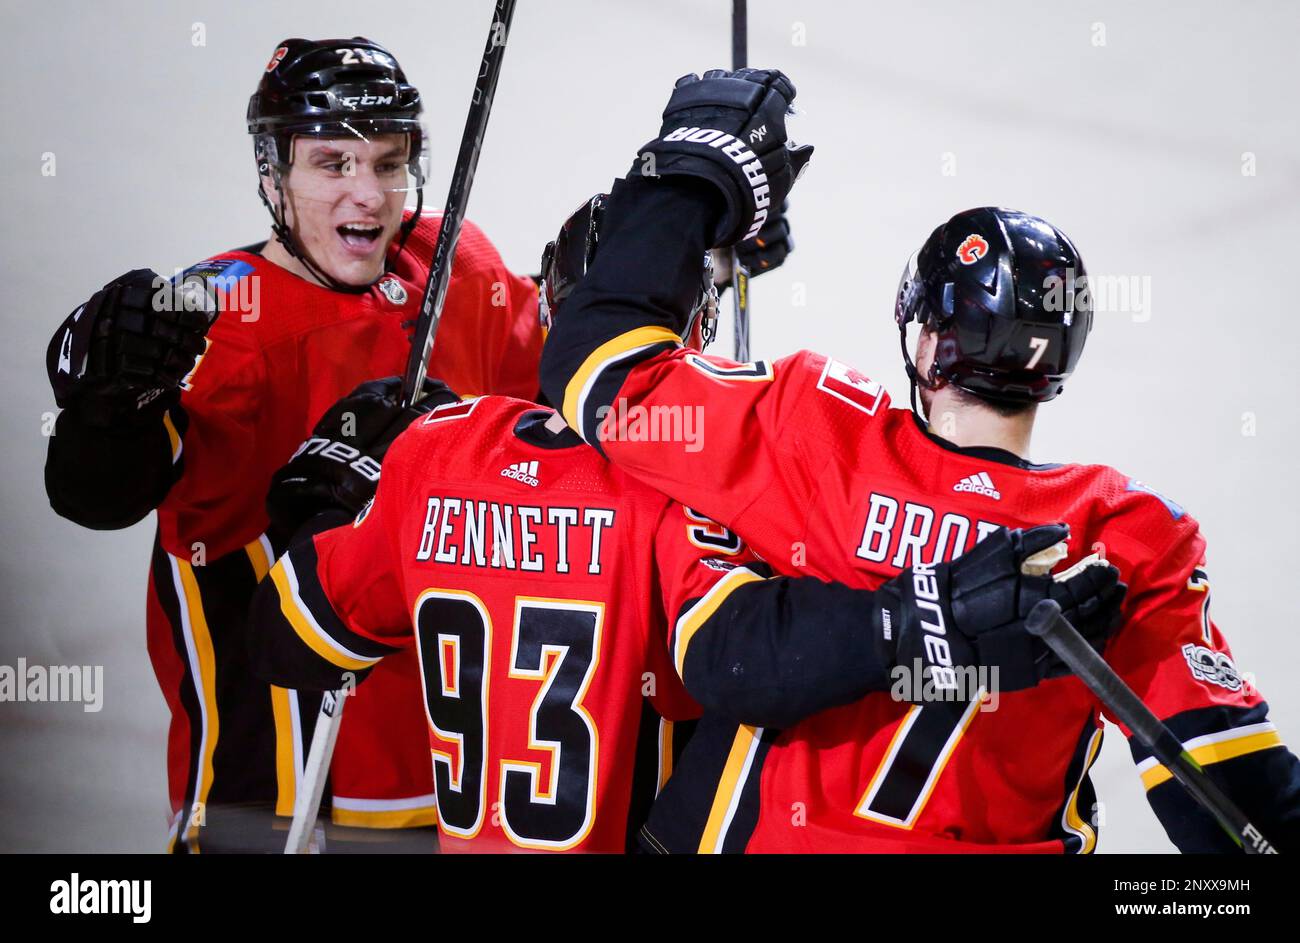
{"type": "Point", "coordinates": [122, 355]}
{"type": "Point", "coordinates": [729, 128]}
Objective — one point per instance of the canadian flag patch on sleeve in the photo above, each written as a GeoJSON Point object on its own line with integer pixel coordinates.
{"type": "Point", "coordinates": [850, 385]}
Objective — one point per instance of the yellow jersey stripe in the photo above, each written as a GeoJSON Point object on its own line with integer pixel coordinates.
{"type": "Point", "coordinates": [286, 776]}
{"type": "Point", "coordinates": [258, 557]}
{"type": "Point", "coordinates": [665, 754]}
{"type": "Point", "coordinates": [409, 812]}
{"type": "Point", "coordinates": [307, 631]}
{"type": "Point", "coordinates": [206, 682]}
{"type": "Point", "coordinates": [173, 437]}
{"type": "Point", "coordinates": [694, 618]}
{"type": "Point", "coordinates": [286, 773]}
{"type": "Point", "coordinates": [397, 818]}
{"type": "Point", "coordinates": [1216, 753]}
{"type": "Point", "coordinates": [1074, 822]}
{"type": "Point", "coordinates": [728, 786]}
{"type": "Point", "coordinates": [640, 337]}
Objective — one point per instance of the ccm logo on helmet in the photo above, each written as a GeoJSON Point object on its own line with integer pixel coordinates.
{"type": "Point", "coordinates": [365, 101]}
{"type": "Point", "coordinates": [737, 150]}
{"type": "Point", "coordinates": [277, 58]}
{"type": "Point", "coordinates": [973, 248]}
{"type": "Point", "coordinates": [926, 588]}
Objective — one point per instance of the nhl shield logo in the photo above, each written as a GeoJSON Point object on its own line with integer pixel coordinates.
{"type": "Point", "coordinates": [393, 291]}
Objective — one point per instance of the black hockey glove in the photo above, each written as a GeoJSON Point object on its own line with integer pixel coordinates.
{"type": "Point", "coordinates": [769, 248]}
{"type": "Point", "coordinates": [763, 253]}
{"type": "Point", "coordinates": [337, 468]}
{"type": "Point", "coordinates": [729, 128]}
{"type": "Point", "coordinates": [971, 612]}
{"type": "Point", "coordinates": [121, 356]}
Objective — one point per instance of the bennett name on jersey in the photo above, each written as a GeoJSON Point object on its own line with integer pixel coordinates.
{"type": "Point", "coordinates": [501, 536]}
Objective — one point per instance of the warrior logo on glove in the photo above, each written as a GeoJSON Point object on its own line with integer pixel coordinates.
{"type": "Point", "coordinates": [740, 154]}
{"type": "Point", "coordinates": [705, 129]}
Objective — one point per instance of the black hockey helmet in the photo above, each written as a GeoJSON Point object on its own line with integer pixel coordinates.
{"type": "Point", "coordinates": [566, 258]}
{"type": "Point", "coordinates": [331, 88]}
{"type": "Point", "coordinates": [1007, 295]}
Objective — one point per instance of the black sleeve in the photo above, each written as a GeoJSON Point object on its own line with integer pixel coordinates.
{"type": "Point", "coordinates": [289, 607]}
{"type": "Point", "coordinates": [647, 273]}
{"type": "Point", "coordinates": [109, 477]}
{"type": "Point", "coordinates": [1264, 784]}
{"type": "Point", "coordinates": [778, 650]}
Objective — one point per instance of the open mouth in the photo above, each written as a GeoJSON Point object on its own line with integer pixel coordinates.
{"type": "Point", "coordinates": [358, 237]}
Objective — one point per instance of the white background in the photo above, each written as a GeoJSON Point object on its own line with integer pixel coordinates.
{"type": "Point", "coordinates": [1135, 148]}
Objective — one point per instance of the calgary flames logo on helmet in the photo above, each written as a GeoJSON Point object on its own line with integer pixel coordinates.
{"type": "Point", "coordinates": [973, 248]}
{"type": "Point", "coordinates": [277, 58]}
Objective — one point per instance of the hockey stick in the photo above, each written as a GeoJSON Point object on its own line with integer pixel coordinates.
{"type": "Point", "coordinates": [453, 211]}
{"type": "Point", "coordinates": [1047, 622]}
{"type": "Point", "coordinates": [740, 274]}
{"type": "Point", "coordinates": [307, 806]}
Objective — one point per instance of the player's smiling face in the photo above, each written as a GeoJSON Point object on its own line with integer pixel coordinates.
{"type": "Point", "coordinates": [345, 199]}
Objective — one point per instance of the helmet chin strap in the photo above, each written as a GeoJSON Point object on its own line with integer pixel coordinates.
{"type": "Point", "coordinates": [282, 232]}
{"type": "Point", "coordinates": [933, 380]}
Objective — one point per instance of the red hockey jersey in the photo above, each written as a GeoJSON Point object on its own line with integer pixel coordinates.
{"type": "Point", "coordinates": [280, 353]}
{"type": "Point", "coordinates": [807, 461]}
{"type": "Point", "coordinates": [537, 583]}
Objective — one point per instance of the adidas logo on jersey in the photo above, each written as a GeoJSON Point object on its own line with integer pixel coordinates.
{"type": "Point", "coordinates": [522, 471]}
{"type": "Point", "coordinates": [979, 483]}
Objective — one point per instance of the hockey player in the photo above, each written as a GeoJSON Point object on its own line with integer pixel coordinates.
{"type": "Point", "coordinates": [806, 459]}
{"type": "Point", "coordinates": [164, 410]}
{"type": "Point", "coordinates": [540, 586]}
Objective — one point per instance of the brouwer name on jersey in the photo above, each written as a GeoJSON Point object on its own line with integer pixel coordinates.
{"type": "Point", "coordinates": [498, 535]}
{"type": "Point", "coordinates": [915, 537]}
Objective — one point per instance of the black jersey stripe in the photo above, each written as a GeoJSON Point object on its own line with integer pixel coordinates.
{"type": "Point", "coordinates": [165, 589]}
{"type": "Point", "coordinates": [645, 770]}
{"type": "Point", "coordinates": [244, 756]}
{"type": "Point", "coordinates": [306, 606]}
{"type": "Point", "coordinates": [1074, 822]}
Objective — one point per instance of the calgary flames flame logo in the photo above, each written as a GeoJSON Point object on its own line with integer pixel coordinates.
{"type": "Point", "coordinates": [973, 248]}
{"type": "Point", "coordinates": [277, 58]}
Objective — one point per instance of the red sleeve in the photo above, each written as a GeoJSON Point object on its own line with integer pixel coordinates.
{"type": "Point", "coordinates": [716, 435]}
{"type": "Point", "coordinates": [1173, 656]}
{"type": "Point", "coordinates": [217, 438]}
{"type": "Point", "coordinates": [490, 328]}
{"type": "Point", "coordinates": [334, 605]}
{"type": "Point", "coordinates": [359, 568]}
{"type": "Point", "coordinates": [1170, 652]}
